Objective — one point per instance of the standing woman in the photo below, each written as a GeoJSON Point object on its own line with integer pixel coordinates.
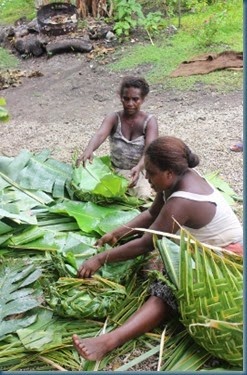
{"type": "Point", "coordinates": [130, 131]}
{"type": "Point", "coordinates": [183, 195]}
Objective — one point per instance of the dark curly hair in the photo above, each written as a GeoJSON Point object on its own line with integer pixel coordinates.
{"type": "Point", "coordinates": [171, 153]}
{"type": "Point", "coordinates": [137, 82]}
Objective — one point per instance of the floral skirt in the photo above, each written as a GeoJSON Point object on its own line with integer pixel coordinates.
{"type": "Point", "coordinates": [160, 289]}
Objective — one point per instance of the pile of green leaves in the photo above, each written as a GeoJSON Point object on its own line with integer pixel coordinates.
{"type": "Point", "coordinates": [98, 182]}
{"type": "Point", "coordinates": [45, 235]}
{"type": "Point", "coordinates": [94, 298]}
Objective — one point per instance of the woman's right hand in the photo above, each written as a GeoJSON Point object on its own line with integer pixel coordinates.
{"type": "Point", "coordinates": [89, 267]}
{"type": "Point", "coordinates": [83, 158]}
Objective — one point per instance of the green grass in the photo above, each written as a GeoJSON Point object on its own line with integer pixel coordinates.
{"type": "Point", "coordinates": [7, 60]}
{"type": "Point", "coordinates": [11, 10]}
{"type": "Point", "coordinates": [215, 30]}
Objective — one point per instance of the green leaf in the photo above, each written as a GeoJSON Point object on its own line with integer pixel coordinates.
{"type": "Point", "coordinates": [42, 334]}
{"type": "Point", "coordinates": [4, 115]}
{"type": "Point", "coordinates": [37, 172]}
{"type": "Point", "coordinates": [115, 219]}
{"type": "Point", "coordinates": [2, 101]}
{"type": "Point", "coordinates": [219, 183]}
{"type": "Point", "coordinates": [15, 298]}
{"type": "Point", "coordinates": [98, 181]}
{"type": "Point", "coordinates": [91, 217]}
{"type": "Point", "coordinates": [170, 255]}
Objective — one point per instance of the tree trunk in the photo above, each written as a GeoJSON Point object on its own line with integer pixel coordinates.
{"type": "Point", "coordinates": [94, 8]}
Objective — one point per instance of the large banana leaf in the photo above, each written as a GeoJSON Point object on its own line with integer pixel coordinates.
{"type": "Point", "coordinates": [17, 296]}
{"type": "Point", "coordinates": [43, 239]}
{"type": "Point", "coordinates": [93, 218]}
{"type": "Point", "coordinates": [229, 194]}
{"type": "Point", "coordinates": [37, 172]}
{"type": "Point", "coordinates": [4, 228]}
{"type": "Point", "coordinates": [31, 184]}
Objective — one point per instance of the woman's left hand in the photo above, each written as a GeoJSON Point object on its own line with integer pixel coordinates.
{"type": "Point", "coordinates": [134, 174]}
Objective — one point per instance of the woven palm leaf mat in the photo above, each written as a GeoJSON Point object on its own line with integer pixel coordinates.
{"type": "Point", "coordinates": [208, 63]}
{"type": "Point", "coordinates": [209, 292]}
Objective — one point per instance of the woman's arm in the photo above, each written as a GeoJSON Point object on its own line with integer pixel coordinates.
{"type": "Point", "coordinates": [143, 220]}
{"type": "Point", "coordinates": [129, 250]}
{"type": "Point", "coordinates": [99, 137]}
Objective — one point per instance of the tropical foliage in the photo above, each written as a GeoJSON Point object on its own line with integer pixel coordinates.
{"type": "Point", "coordinates": [45, 234]}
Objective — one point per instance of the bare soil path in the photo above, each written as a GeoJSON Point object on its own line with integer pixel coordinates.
{"type": "Point", "coordinates": [62, 109]}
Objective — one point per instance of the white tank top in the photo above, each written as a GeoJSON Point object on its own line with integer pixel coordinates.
{"type": "Point", "coordinates": [224, 228]}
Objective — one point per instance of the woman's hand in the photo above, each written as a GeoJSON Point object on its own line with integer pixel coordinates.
{"type": "Point", "coordinates": [89, 267]}
{"type": "Point", "coordinates": [109, 238]}
{"type": "Point", "coordinates": [84, 157]}
{"type": "Point", "coordinates": [134, 175]}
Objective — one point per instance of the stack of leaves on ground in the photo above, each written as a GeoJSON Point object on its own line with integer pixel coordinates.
{"type": "Point", "coordinates": [45, 234]}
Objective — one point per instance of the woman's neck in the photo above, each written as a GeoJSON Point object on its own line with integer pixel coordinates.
{"type": "Point", "coordinates": [177, 184]}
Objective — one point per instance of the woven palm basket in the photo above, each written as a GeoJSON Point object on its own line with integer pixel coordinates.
{"type": "Point", "coordinates": [209, 291]}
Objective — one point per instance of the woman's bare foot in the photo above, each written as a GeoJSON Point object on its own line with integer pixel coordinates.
{"type": "Point", "coordinates": [92, 349]}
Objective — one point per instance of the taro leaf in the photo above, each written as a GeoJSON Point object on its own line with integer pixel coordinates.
{"type": "Point", "coordinates": [16, 297]}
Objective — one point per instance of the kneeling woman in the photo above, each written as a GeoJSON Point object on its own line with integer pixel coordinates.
{"type": "Point", "coordinates": [183, 195]}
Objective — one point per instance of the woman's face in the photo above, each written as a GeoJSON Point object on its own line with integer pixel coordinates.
{"type": "Point", "coordinates": [159, 180]}
{"type": "Point", "coordinates": [131, 100]}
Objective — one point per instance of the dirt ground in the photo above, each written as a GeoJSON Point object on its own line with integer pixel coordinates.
{"type": "Point", "coordinates": [62, 109]}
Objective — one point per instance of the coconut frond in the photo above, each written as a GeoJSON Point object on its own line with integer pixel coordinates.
{"type": "Point", "coordinates": [210, 297]}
